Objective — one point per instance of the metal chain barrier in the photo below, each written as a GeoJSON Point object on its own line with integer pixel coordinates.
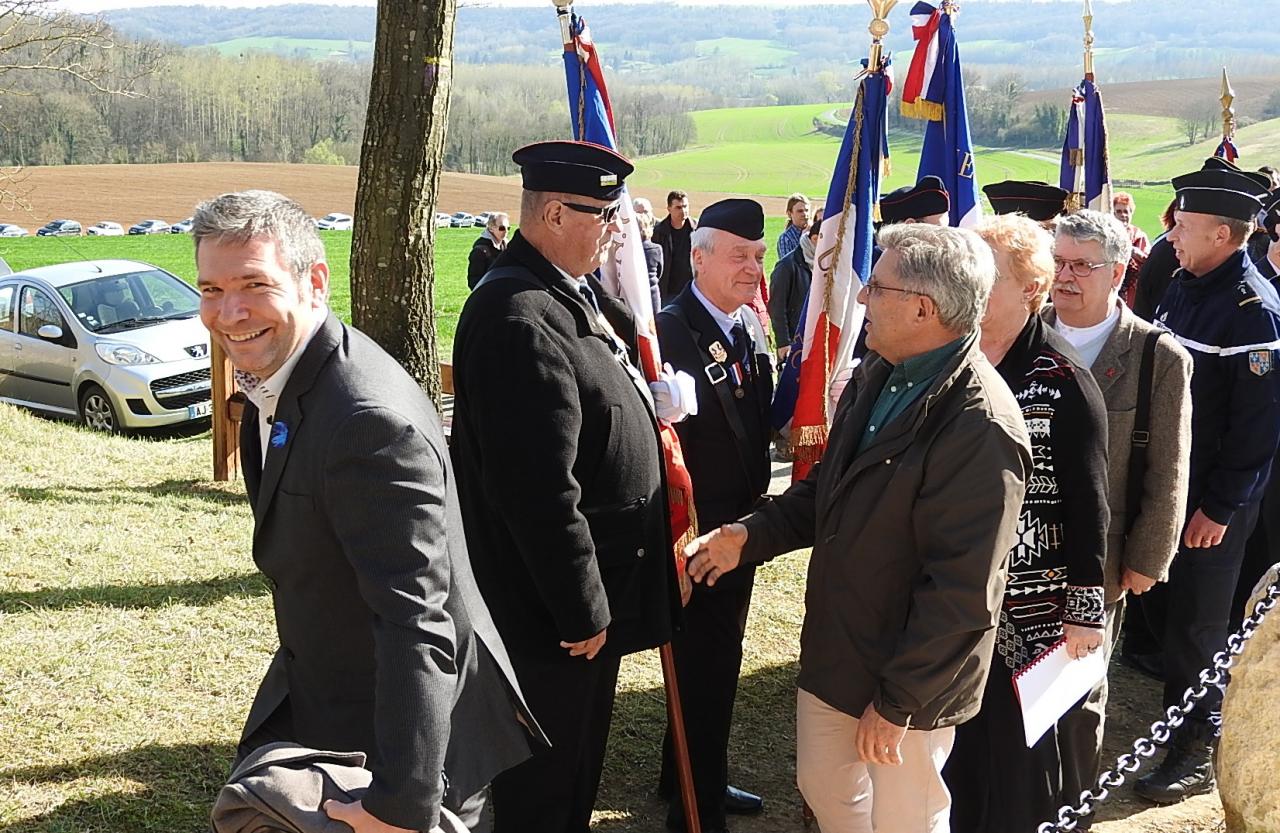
{"type": "Point", "coordinates": [1128, 763]}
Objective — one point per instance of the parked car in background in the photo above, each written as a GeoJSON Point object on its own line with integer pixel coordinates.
{"type": "Point", "coordinates": [462, 219]}
{"type": "Point", "coordinates": [182, 226]}
{"type": "Point", "coordinates": [443, 220]}
{"type": "Point", "coordinates": [334, 222]}
{"type": "Point", "coordinates": [106, 228]}
{"type": "Point", "coordinates": [116, 344]}
{"type": "Point", "coordinates": [59, 228]}
{"type": "Point", "coordinates": [149, 227]}
{"type": "Point", "coordinates": [11, 230]}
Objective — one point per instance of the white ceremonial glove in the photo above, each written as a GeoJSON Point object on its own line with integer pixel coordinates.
{"type": "Point", "coordinates": [674, 395]}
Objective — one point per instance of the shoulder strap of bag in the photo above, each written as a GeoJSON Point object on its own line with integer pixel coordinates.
{"type": "Point", "coordinates": [1141, 436]}
{"type": "Point", "coordinates": [509, 272]}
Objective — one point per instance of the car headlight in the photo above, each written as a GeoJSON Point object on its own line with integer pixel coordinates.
{"type": "Point", "coordinates": [123, 354]}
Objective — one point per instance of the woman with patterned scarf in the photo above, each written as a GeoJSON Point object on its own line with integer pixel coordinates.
{"type": "Point", "coordinates": [1054, 589]}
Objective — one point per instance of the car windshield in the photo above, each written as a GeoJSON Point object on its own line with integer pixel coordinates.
{"type": "Point", "coordinates": [135, 299]}
{"type": "Point", "coordinates": [334, 217]}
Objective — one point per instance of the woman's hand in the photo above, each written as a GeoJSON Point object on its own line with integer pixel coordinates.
{"type": "Point", "coordinates": [1081, 641]}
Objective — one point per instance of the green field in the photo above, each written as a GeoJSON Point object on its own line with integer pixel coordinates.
{"type": "Point", "coordinates": [308, 47]}
{"type": "Point", "coordinates": [776, 151]}
{"type": "Point", "coordinates": [761, 55]}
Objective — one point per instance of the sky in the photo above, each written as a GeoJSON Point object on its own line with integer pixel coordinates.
{"type": "Point", "coordinates": [89, 6]}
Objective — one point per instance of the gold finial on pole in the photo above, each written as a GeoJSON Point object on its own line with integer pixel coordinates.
{"type": "Point", "coordinates": [563, 9]}
{"type": "Point", "coordinates": [879, 28]}
{"type": "Point", "coordinates": [1228, 112]}
{"type": "Point", "coordinates": [1088, 40]}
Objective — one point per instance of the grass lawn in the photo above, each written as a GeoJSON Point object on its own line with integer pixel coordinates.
{"type": "Point", "coordinates": [134, 629]}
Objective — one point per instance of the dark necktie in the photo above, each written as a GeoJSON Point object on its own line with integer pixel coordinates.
{"type": "Point", "coordinates": [742, 348]}
{"type": "Point", "coordinates": [584, 289]}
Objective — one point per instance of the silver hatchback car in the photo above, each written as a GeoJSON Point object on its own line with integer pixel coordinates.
{"type": "Point", "coordinates": [117, 344]}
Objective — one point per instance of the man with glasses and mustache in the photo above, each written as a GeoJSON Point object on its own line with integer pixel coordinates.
{"type": "Point", "coordinates": [560, 475]}
{"type": "Point", "coordinates": [911, 514]}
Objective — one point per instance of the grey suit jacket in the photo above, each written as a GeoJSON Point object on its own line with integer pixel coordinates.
{"type": "Point", "coordinates": [386, 646]}
{"type": "Point", "coordinates": [1153, 542]}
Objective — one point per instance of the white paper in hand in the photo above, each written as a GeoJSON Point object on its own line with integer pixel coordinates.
{"type": "Point", "coordinates": [1053, 683]}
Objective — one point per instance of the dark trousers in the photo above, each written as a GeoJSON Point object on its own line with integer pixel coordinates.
{"type": "Point", "coordinates": [708, 656]}
{"type": "Point", "coordinates": [555, 790]}
{"type": "Point", "coordinates": [1202, 584]}
{"type": "Point", "coordinates": [1262, 551]}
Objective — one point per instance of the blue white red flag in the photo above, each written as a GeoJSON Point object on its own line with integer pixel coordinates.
{"type": "Point", "coordinates": [934, 90]}
{"type": "Point", "coordinates": [841, 264]}
{"type": "Point", "coordinates": [592, 117]}
{"type": "Point", "coordinates": [1227, 150]}
{"type": "Point", "coordinates": [1085, 173]}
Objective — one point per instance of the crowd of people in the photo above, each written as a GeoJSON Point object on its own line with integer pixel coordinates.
{"type": "Point", "coordinates": [1020, 454]}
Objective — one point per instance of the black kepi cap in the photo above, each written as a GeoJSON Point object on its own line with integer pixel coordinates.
{"type": "Point", "coordinates": [581, 168]}
{"type": "Point", "coordinates": [1221, 192]}
{"type": "Point", "coordinates": [1038, 200]}
{"type": "Point", "coordinates": [924, 199]}
{"type": "Point", "coordinates": [1271, 215]}
{"type": "Point", "coordinates": [745, 218]}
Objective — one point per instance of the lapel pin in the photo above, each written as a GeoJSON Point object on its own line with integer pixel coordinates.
{"type": "Point", "coordinates": [718, 352]}
{"type": "Point", "coordinates": [1111, 373]}
{"type": "Point", "coordinates": [279, 434]}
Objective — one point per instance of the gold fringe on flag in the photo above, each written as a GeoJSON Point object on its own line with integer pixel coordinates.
{"type": "Point", "coordinates": [922, 109]}
{"type": "Point", "coordinates": [808, 443]}
{"type": "Point", "coordinates": [1075, 157]}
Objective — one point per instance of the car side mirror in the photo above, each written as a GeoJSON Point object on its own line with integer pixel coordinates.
{"type": "Point", "coordinates": [50, 332]}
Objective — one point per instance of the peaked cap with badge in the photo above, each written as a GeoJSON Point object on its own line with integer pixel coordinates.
{"type": "Point", "coordinates": [1221, 189]}
{"type": "Point", "coordinates": [582, 168]}
{"type": "Point", "coordinates": [1038, 200]}
{"type": "Point", "coordinates": [911, 202]}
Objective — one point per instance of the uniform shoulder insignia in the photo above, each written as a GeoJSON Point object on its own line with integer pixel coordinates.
{"type": "Point", "coordinates": [1251, 299]}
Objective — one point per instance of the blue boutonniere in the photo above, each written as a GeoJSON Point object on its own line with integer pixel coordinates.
{"type": "Point", "coordinates": [279, 434]}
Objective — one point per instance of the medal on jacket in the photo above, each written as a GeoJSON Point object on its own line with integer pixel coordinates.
{"type": "Point", "coordinates": [718, 352]}
{"type": "Point", "coordinates": [735, 371]}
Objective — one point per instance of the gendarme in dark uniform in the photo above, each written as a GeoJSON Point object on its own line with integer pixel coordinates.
{"type": "Point", "coordinates": [713, 335]}
{"type": "Point", "coordinates": [1221, 310]}
{"type": "Point", "coordinates": [561, 481]}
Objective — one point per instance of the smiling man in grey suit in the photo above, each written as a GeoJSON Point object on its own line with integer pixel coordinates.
{"type": "Point", "coordinates": [386, 646]}
{"type": "Point", "coordinates": [1091, 251]}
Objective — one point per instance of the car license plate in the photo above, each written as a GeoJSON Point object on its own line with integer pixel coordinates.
{"type": "Point", "coordinates": [200, 409]}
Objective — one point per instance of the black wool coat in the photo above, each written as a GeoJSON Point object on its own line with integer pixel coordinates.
{"type": "Point", "coordinates": [559, 468]}
{"type": "Point", "coordinates": [729, 474]}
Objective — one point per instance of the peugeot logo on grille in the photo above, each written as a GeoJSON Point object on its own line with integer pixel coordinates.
{"type": "Point", "coordinates": [198, 351]}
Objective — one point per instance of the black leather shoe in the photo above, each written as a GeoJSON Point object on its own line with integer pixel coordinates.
{"type": "Point", "coordinates": [741, 803]}
{"type": "Point", "coordinates": [1187, 768]}
{"type": "Point", "coordinates": [1150, 665]}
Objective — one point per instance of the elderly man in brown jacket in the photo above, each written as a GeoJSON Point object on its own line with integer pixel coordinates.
{"type": "Point", "coordinates": [1091, 250]}
{"type": "Point", "coordinates": [911, 514]}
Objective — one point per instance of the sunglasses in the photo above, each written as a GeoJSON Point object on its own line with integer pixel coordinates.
{"type": "Point", "coordinates": [606, 213]}
{"type": "Point", "coordinates": [502, 228]}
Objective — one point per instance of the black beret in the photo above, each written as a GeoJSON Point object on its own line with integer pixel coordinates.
{"type": "Point", "coordinates": [1271, 215]}
{"type": "Point", "coordinates": [924, 199]}
{"type": "Point", "coordinates": [745, 218]}
{"type": "Point", "coordinates": [581, 168]}
{"type": "Point", "coordinates": [1225, 193]}
{"type": "Point", "coordinates": [1038, 200]}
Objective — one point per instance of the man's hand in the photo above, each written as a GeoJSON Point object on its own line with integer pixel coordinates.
{"type": "Point", "coordinates": [879, 741]}
{"type": "Point", "coordinates": [355, 816]}
{"type": "Point", "coordinates": [1081, 641]}
{"type": "Point", "coordinates": [686, 587]}
{"type": "Point", "coordinates": [783, 352]}
{"type": "Point", "coordinates": [1202, 532]}
{"type": "Point", "coordinates": [715, 553]}
{"type": "Point", "coordinates": [1134, 582]}
{"type": "Point", "coordinates": [587, 647]}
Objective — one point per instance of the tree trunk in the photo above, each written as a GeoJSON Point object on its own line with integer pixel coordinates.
{"type": "Point", "coordinates": [392, 271]}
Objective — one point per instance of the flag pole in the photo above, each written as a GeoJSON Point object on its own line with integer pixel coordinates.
{"type": "Point", "coordinates": [1227, 98]}
{"type": "Point", "coordinates": [671, 686]}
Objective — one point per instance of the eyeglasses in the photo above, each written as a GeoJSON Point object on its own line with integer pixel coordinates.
{"type": "Point", "coordinates": [1078, 268]}
{"type": "Point", "coordinates": [874, 287]}
{"type": "Point", "coordinates": [606, 213]}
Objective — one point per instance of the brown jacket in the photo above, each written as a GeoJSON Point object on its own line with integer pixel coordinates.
{"type": "Point", "coordinates": [910, 545]}
{"type": "Point", "coordinates": [1153, 541]}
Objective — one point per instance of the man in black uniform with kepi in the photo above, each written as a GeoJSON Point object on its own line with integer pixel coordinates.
{"type": "Point", "coordinates": [560, 475]}
{"type": "Point", "coordinates": [1224, 313]}
{"type": "Point", "coordinates": [710, 331]}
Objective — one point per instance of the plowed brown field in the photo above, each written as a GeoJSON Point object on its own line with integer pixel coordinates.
{"type": "Point", "coordinates": [128, 193]}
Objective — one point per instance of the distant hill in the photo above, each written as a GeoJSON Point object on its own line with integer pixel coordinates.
{"type": "Point", "coordinates": [1041, 41]}
{"type": "Point", "coordinates": [1170, 97]}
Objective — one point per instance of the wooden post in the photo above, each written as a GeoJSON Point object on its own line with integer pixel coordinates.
{"type": "Point", "coordinates": [226, 425]}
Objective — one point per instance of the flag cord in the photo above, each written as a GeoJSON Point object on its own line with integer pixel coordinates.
{"type": "Point", "coordinates": [582, 92]}
{"type": "Point", "coordinates": [838, 249]}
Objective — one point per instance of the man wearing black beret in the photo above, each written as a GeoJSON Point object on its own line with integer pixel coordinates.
{"type": "Point", "coordinates": [1038, 200]}
{"type": "Point", "coordinates": [1224, 313]}
{"type": "Point", "coordinates": [925, 202]}
{"type": "Point", "coordinates": [560, 474]}
{"type": "Point", "coordinates": [710, 331]}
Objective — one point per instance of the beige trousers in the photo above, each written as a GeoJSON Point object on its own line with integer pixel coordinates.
{"type": "Point", "coordinates": [849, 796]}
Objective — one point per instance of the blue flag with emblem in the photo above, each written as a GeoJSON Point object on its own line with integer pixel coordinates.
{"type": "Point", "coordinates": [934, 90]}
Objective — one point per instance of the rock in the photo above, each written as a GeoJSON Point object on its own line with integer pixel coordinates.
{"type": "Point", "coordinates": [1250, 745]}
